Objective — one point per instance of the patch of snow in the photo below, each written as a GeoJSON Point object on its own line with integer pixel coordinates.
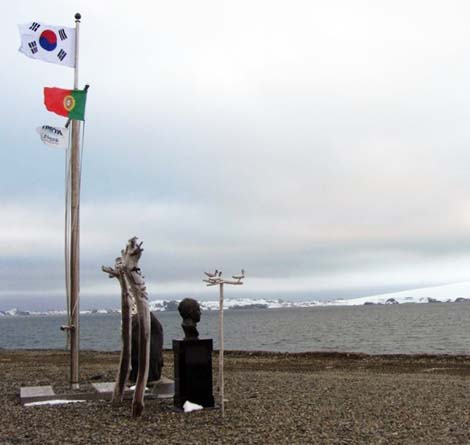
{"type": "Point", "coordinates": [15, 311]}
{"type": "Point", "coordinates": [52, 402]}
{"type": "Point", "coordinates": [436, 294]}
{"type": "Point", "coordinates": [189, 406]}
{"type": "Point", "coordinates": [132, 388]}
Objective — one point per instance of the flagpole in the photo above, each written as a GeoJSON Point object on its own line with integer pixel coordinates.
{"type": "Point", "coordinates": [221, 348]}
{"type": "Point", "coordinates": [75, 234]}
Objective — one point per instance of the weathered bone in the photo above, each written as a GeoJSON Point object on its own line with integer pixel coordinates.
{"type": "Point", "coordinates": [126, 338]}
{"type": "Point", "coordinates": [136, 286]}
{"type": "Point", "coordinates": [133, 295]}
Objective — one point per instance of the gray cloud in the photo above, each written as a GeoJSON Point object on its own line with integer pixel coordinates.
{"type": "Point", "coordinates": [323, 148]}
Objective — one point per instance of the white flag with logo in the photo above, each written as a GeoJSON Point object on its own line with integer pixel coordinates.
{"type": "Point", "coordinates": [57, 137]}
{"type": "Point", "coordinates": [54, 44]}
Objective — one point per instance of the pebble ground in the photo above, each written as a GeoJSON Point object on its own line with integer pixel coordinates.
{"type": "Point", "coordinates": [311, 398]}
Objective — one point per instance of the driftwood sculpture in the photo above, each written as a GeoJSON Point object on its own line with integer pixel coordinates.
{"type": "Point", "coordinates": [133, 297]}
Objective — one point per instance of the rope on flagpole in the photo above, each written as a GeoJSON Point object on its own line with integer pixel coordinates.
{"type": "Point", "coordinates": [80, 183]}
{"type": "Point", "coordinates": [67, 238]}
{"type": "Point", "coordinates": [81, 154]}
{"type": "Point", "coordinates": [83, 145]}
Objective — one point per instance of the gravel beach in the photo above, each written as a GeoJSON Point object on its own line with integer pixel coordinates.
{"type": "Point", "coordinates": [272, 398]}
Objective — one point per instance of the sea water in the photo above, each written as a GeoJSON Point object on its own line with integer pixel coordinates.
{"type": "Point", "coordinates": [434, 328]}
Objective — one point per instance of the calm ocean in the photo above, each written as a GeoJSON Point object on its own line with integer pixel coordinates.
{"type": "Point", "coordinates": [409, 328]}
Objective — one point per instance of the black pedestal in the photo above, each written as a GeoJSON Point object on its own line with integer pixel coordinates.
{"type": "Point", "coordinates": [193, 372]}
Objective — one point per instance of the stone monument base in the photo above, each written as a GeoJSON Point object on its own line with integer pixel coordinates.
{"type": "Point", "coordinates": [161, 389]}
{"type": "Point", "coordinates": [193, 372]}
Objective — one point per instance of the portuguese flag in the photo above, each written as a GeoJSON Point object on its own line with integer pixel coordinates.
{"type": "Point", "coordinates": [68, 103]}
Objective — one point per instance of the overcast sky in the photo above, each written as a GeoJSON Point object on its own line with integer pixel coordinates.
{"type": "Point", "coordinates": [323, 146]}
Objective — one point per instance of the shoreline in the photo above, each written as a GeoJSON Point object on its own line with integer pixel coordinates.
{"type": "Point", "coordinates": [272, 398]}
{"type": "Point", "coordinates": [304, 354]}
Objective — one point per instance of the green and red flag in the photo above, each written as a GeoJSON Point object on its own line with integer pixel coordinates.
{"type": "Point", "coordinates": [68, 103]}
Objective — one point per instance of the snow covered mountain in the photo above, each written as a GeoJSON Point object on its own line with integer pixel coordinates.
{"type": "Point", "coordinates": [233, 303]}
{"type": "Point", "coordinates": [450, 293]}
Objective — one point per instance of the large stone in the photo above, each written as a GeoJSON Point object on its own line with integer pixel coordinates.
{"type": "Point", "coordinates": [156, 349]}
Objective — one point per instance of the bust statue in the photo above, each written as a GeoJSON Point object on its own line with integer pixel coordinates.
{"type": "Point", "coordinates": [190, 310]}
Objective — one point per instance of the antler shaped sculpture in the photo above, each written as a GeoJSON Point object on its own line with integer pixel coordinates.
{"type": "Point", "coordinates": [212, 280]}
{"type": "Point", "coordinates": [216, 278]}
{"type": "Point", "coordinates": [133, 298]}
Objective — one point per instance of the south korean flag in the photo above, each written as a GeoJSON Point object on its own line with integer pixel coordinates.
{"type": "Point", "coordinates": [54, 44]}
